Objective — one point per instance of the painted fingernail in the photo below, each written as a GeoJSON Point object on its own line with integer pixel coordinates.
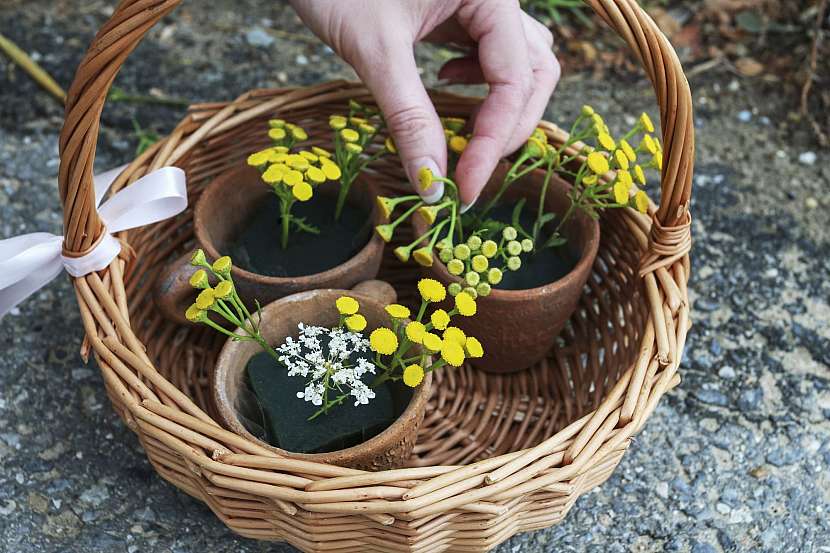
{"type": "Point", "coordinates": [434, 190]}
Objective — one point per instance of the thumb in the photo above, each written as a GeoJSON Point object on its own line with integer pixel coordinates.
{"type": "Point", "coordinates": [410, 116]}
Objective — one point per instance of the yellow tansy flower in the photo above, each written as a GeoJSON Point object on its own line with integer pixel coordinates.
{"type": "Point", "coordinates": [383, 341]}
{"type": "Point", "coordinates": [259, 158]}
{"type": "Point", "coordinates": [458, 143]}
{"type": "Point", "coordinates": [353, 148]}
{"type": "Point", "coordinates": [432, 342]}
{"type": "Point", "coordinates": [452, 352]}
{"type": "Point", "coordinates": [621, 193]}
{"type": "Point", "coordinates": [455, 334]}
{"type": "Point", "coordinates": [598, 163]}
{"type": "Point", "coordinates": [648, 144]}
{"type": "Point", "coordinates": [277, 134]}
{"type": "Point", "coordinates": [276, 123]}
{"type": "Point", "coordinates": [315, 175]}
{"type": "Point", "coordinates": [356, 322]}
{"type": "Point", "coordinates": [606, 141]}
{"type": "Point", "coordinates": [535, 147]}
{"type": "Point", "coordinates": [657, 160]}
{"type": "Point", "coordinates": [428, 213]}
{"type": "Point", "coordinates": [223, 290]}
{"type": "Point", "coordinates": [621, 159]}
{"type": "Point", "coordinates": [205, 299]}
{"type": "Point", "coordinates": [629, 151]}
{"type": "Point", "coordinates": [347, 305]}
{"type": "Point", "coordinates": [320, 152]}
{"type": "Point", "coordinates": [302, 191]}
{"type": "Point", "coordinates": [194, 314]}
{"type": "Point", "coordinates": [385, 206]}
{"type": "Point", "coordinates": [402, 253]}
{"type": "Point", "coordinates": [413, 375]}
{"type": "Point", "coordinates": [275, 173]}
{"type": "Point", "coordinates": [440, 319]}
{"type": "Point", "coordinates": [645, 122]}
{"type": "Point", "coordinates": [641, 201]}
{"type": "Point", "coordinates": [199, 280]}
{"type": "Point", "coordinates": [299, 133]}
{"type": "Point", "coordinates": [298, 162]}
{"type": "Point", "coordinates": [425, 177]}
{"type": "Point", "coordinates": [397, 311]}
{"type": "Point", "coordinates": [386, 232]}
{"type": "Point", "coordinates": [640, 174]}
{"type": "Point", "coordinates": [432, 290]}
{"type": "Point", "coordinates": [590, 180]}
{"type": "Point", "coordinates": [292, 177]}
{"type": "Point", "coordinates": [350, 135]}
{"type": "Point", "coordinates": [415, 331]}
{"type": "Point", "coordinates": [423, 256]}
{"type": "Point", "coordinates": [309, 155]}
{"type": "Point", "coordinates": [465, 304]}
{"type": "Point", "coordinates": [337, 122]}
{"type": "Point", "coordinates": [331, 169]}
{"type": "Point", "coordinates": [473, 347]}
{"type": "Point", "coordinates": [223, 265]}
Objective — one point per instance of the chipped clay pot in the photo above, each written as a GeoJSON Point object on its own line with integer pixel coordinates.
{"type": "Point", "coordinates": [519, 327]}
{"type": "Point", "coordinates": [223, 210]}
{"type": "Point", "coordinates": [388, 449]}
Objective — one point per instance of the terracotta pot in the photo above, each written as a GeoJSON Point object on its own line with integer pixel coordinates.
{"type": "Point", "coordinates": [519, 327]}
{"type": "Point", "coordinates": [224, 208]}
{"type": "Point", "coordinates": [389, 449]}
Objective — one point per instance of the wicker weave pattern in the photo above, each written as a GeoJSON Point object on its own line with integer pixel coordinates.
{"type": "Point", "coordinates": [496, 455]}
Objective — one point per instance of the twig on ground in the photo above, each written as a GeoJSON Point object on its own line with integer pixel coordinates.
{"type": "Point", "coordinates": [120, 95]}
{"type": "Point", "coordinates": [31, 67]}
{"type": "Point", "coordinates": [811, 74]}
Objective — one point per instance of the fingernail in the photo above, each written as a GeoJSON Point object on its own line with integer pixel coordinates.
{"type": "Point", "coordinates": [466, 207]}
{"type": "Point", "coordinates": [436, 190]}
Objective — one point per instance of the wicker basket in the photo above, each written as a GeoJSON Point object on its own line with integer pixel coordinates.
{"type": "Point", "coordinates": [496, 455]}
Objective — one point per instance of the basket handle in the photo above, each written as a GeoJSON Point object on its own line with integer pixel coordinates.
{"type": "Point", "coordinates": [133, 18]}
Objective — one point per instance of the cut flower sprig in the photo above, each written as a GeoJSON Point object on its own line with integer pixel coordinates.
{"type": "Point", "coordinates": [337, 362]}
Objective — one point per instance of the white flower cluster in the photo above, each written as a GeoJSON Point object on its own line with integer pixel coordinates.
{"type": "Point", "coordinates": [323, 356]}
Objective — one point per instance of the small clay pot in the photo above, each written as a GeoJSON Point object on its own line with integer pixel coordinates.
{"type": "Point", "coordinates": [223, 210]}
{"type": "Point", "coordinates": [389, 449]}
{"type": "Point", "coordinates": [519, 327]}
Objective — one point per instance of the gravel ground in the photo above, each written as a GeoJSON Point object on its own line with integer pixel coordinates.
{"type": "Point", "coordinates": [736, 459]}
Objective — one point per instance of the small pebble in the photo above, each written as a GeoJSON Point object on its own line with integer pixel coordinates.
{"type": "Point", "coordinates": [726, 372]}
{"type": "Point", "coordinates": [301, 60]}
{"type": "Point", "coordinates": [744, 116]}
{"type": "Point", "coordinates": [807, 158]}
{"type": "Point", "coordinates": [811, 203]}
{"type": "Point", "coordinates": [258, 37]}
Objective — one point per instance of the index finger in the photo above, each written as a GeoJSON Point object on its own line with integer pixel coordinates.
{"type": "Point", "coordinates": [496, 26]}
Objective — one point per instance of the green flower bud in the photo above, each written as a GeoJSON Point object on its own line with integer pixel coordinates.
{"type": "Point", "coordinates": [480, 263]}
{"type": "Point", "coordinates": [514, 263]}
{"type": "Point", "coordinates": [198, 258]}
{"type": "Point", "coordinates": [474, 242]}
{"type": "Point", "coordinates": [472, 278]}
{"type": "Point", "coordinates": [483, 289]}
{"type": "Point", "coordinates": [445, 255]}
{"type": "Point", "coordinates": [454, 289]}
{"type": "Point", "coordinates": [509, 233]}
{"type": "Point", "coordinates": [514, 247]}
{"type": "Point", "coordinates": [455, 267]}
{"type": "Point", "coordinates": [489, 248]}
{"type": "Point", "coordinates": [462, 252]}
{"type": "Point", "coordinates": [444, 244]}
{"type": "Point", "coordinates": [494, 276]}
{"type": "Point", "coordinates": [471, 292]}
{"type": "Point", "coordinates": [527, 245]}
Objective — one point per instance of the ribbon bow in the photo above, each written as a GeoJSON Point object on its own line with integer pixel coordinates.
{"type": "Point", "coordinates": [30, 261]}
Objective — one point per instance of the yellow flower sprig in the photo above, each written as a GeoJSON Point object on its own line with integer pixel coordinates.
{"type": "Point", "coordinates": [293, 176]}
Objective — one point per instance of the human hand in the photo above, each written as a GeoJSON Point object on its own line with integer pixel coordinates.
{"type": "Point", "coordinates": [511, 53]}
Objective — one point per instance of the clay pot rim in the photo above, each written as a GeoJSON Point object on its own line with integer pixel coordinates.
{"type": "Point", "coordinates": [420, 395]}
{"type": "Point", "coordinates": [588, 253]}
{"type": "Point", "coordinates": [361, 257]}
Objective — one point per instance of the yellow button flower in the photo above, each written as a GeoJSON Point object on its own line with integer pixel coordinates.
{"type": "Point", "coordinates": [606, 141]}
{"type": "Point", "coordinates": [423, 256]}
{"type": "Point", "coordinates": [331, 169]}
{"type": "Point", "coordinates": [621, 159]}
{"type": "Point", "coordinates": [356, 322]}
{"type": "Point", "coordinates": [385, 206]}
{"type": "Point", "coordinates": [276, 123]}
{"type": "Point", "coordinates": [425, 177]}
{"type": "Point", "coordinates": [274, 174]}
{"type": "Point", "coordinates": [353, 148]}
{"type": "Point", "coordinates": [473, 347]}
{"type": "Point", "coordinates": [309, 155]}
{"type": "Point", "coordinates": [648, 144]}
{"type": "Point", "coordinates": [415, 331]}
{"type": "Point", "coordinates": [432, 342]}
{"type": "Point", "coordinates": [350, 135]}
{"type": "Point", "coordinates": [465, 304]}
{"type": "Point", "coordinates": [641, 201]}
{"type": "Point", "coordinates": [386, 232]}
{"type": "Point", "coordinates": [535, 148]}
{"type": "Point", "coordinates": [205, 299]}
{"type": "Point", "coordinates": [366, 128]}
{"type": "Point", "coordinates": [598, 163]}
{"type": "Point", "coordinates": [320, 152]}
{"type": "Point", "coordinates": [390, 145]}
{"type": "Point", "coordinates": [302, 191]}
{"type": "Point", "coordinates": [337, 122]}
{"type": "Point", "coordinates": [621, 193]}
{"type": "Point", "coordinates": [292, 177]}
{"type": "Point", "coordinates": [640, 174]}
{"type": "Point", "coordinates": [259, 158]}
{"type": "Point", "coordinates": [458, 144]}
{"type": "Point", "coordinates": [413, 375]}
{"type": "Point", "coordinates": [299, 133]}
{"type": "Point", "coordinates": [645, 122]}
{"type": "Point", "coordinates": [440, 319]}
{"type": "Point", "coordinates": [383, 341]}
{"type": "Point", "coordinates": [223, 290]}
{"type": "Point", "coordinates": [455, 334]}
{"type": "Point", "coordinates": [625, 178]}
{"type": "Point", "coordinates": [194, 314]}
{"type": "Point", "coordinates": [397, 311]}
{"type": "Point", "coordinates": [402, 253]}
{"type": "Point", "coordinates": [628, 150]}
{"type": "Point", "coordinates": [298, 162]}
{"type": "Point", "coordinates": [657, 160]}
{"type": "Point", "coordinates": [347, 305]}
{"type": "Point", "coordinates": [277, 134]}
{"type": "Point", "coordinates": [315, 175]}
{"type": "Point", "coordinates": [452, 352]}
{"type": "Point", "coordinates": [590, 180]}
{"type": "Point", "coordinates": [432, 290]}
{"type": "Point", "coordinates": [199, 280]}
